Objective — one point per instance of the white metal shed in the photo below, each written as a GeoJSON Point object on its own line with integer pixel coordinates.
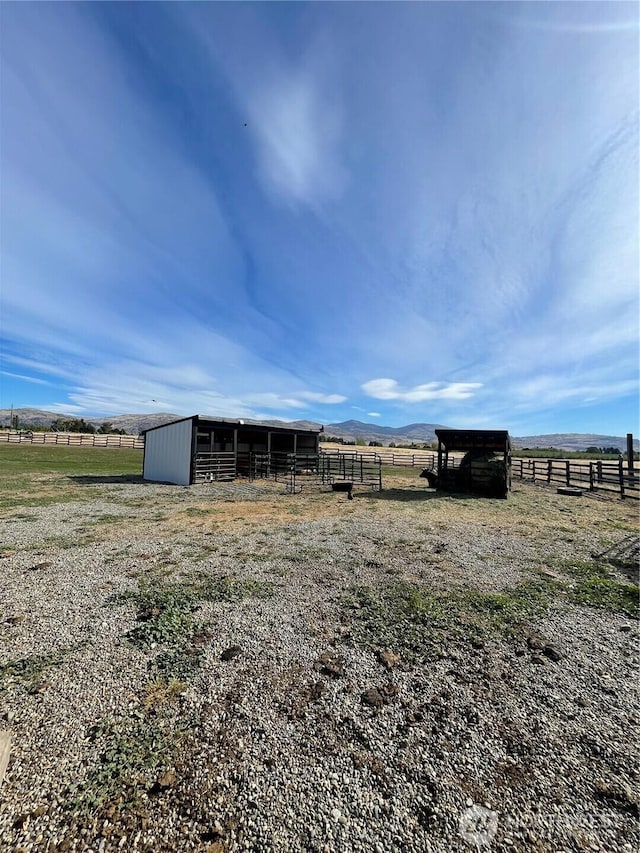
{"type": "Point", "coordinates": [198, 448]}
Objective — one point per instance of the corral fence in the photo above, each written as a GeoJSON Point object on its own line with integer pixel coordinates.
{"type": "Point", "coordinates": [350, 467]}
{"type": "Point", "coordinates": [389, 458]}
{"type": "Point", "coordinates": [329, 465]}
{"type": "Point", "coordinates": [277, 464]}
{"type": "Point", "coordinates": [319, 469]}
{"type": "Point", "coordinates": [214, 466]}
{"type": "Point", "coordinates": [607, 476]}
{"type": "Point", "coordinates": [74, 439]}
{"type": "Point", "coordinates": [596, 476]}
{"type": "Point", "coordinates": [281, 466]}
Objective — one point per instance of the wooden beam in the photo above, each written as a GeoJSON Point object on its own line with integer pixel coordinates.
{"type": "Point", "coordinates": [5, 749]}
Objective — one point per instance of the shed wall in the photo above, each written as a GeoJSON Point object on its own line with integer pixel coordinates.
{"type": "Point", "coordinates": [167, 453]}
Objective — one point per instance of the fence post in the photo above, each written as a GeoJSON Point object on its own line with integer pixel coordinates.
{"type": "Point", "coordinates": [549, 470]}
{"type": "Point", "coordinates": [621, 477]}
{"type": "Point", "coordinates": [568, 475]}
{"type": "Point", "coordinates": [591, 484]}
{"type": "Point", "coordinates": [599, 467]}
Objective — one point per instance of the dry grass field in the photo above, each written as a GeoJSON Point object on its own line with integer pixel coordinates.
{"type": "Point", "coordinates": [229, 667]}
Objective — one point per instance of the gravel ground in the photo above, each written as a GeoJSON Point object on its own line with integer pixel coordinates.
{"type": "Point", "coordinates": [400, 672]}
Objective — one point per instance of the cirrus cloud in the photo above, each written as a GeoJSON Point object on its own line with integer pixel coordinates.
{"type": "Point", "coordinates": [389, 389]}
{"type": "Point", "coordinates": [315, 397]}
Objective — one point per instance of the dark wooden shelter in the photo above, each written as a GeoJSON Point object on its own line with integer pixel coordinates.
{"type": "Point", "coordinates": [485, 467]}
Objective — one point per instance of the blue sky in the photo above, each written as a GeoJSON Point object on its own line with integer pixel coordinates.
{"type": "Point", "coordinates": [388, 212]}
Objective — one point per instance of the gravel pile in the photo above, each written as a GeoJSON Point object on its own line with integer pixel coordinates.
{"type": "Point", "coordinates": [249, 706]}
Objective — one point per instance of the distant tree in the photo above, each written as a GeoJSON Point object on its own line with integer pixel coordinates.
{"type": "Point", "coordinates": [105, 428]}
{"type": "Point", "coordinates": [72, 425]}
{"type": "Point", "coordinates": [392, 444]}
{"type": "Point", "coordinates": [375, 444]}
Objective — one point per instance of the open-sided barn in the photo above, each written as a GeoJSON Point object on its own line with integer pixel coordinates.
{"type": "Point", "coordinates": [485, 467]}
{"type": "Point", "coordinates": [197, 449]}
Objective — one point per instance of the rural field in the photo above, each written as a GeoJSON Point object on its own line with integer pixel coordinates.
{"type": "Point", "coordinates": [229, 667]}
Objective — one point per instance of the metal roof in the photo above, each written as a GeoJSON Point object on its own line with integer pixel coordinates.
{"type": "Point", "coordinates": [474, 439]}
{"type": "Point", "coordinates": [203, 420]}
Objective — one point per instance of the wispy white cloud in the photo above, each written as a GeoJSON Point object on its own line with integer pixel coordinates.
{"type": "Point", "coordinates": [206, 208]}
{"type": "Point", "coordinates": [297, 125]}
{"type": "Point", "coordinates": [328, 399]}
{"type": "Point", "coordinates": [389, 389]}
{"type": "Point", "coordinates": [374, 414]}
{"type": "Point", "coordinates": [32, 379]}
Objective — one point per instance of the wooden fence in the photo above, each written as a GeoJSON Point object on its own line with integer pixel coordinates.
{"type": "Point", "coordinates": [73, 439]}
{"type": "Point", "coordinates": [595, 476]}
{"type": "Point", "coordinates": [423, 459]}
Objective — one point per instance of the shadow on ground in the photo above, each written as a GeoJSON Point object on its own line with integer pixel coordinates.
{"type": "Point", "coordinates": [110, 479]}
{"type": "Point", "coordinates": [414, 495]}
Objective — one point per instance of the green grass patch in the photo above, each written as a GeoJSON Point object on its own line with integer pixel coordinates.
{"type": "Point", "coordinates": [54, 459]}
{"type": "Point", "coordinates": [419, 622]}
{"type": "Point", "coordinates": [132, 752]}
{"type": "Point", "coordinates": [196, 511]}
{"type": "Point", "coordinates": [166, 613]}
{"type": "Point", "coordinates": [596, 584]}
{"type": "Point", "coordinates": [27, 470]}
{"type": "Point", "coordinates": [30, 671]}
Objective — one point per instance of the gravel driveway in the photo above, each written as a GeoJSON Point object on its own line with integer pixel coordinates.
{"type": "Point", "coordinates": [228, 667]}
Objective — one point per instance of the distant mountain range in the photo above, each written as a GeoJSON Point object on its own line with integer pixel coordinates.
{"type": "Point", "coordinates": [425, 433]}
{"type": "Point", "coordinates": [131, 424]}
{"type": "Point", "coordinates": [418, 433]}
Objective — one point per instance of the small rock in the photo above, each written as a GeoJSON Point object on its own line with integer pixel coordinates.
{"type": "Point", "coordinates": [230, 653]}
{"type": "Point", "coordinates": [317, 689]}
{"type": "Point", "coordinates": [167, 779]}
{"type": "Point", "coordinates": [331, 664]}
{"type": "Point", "coordinates": [537, 659]}
{"type": "Point", "coordinates": [388, 659]}
{"type": "Point", "coordinates": [372, 697]}
{"type": "Point", "coordinates": [15, 620]}
{"type": "Point", "coordinates": [46, 564]}
{"type": "Point", "coordinates": [552, 653]}
{"type": "Point", "coordinates": [625, 629]}
{"type": "Point", "coordinates": [477, 643]}
{"type": "Point", "coordinates": [536, 642]}
{"type": "Point", "coordinates": [148, 613]}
